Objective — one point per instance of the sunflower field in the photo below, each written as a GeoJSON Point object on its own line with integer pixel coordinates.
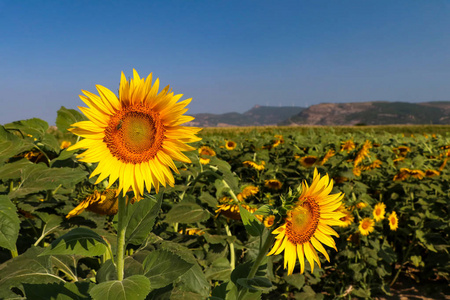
{"type": "Point", "coordinates": [277, 213]}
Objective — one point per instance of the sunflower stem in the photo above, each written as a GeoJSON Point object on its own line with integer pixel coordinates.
{"type": "Point", "coordinates": [232, 252]}
{"type": "Point", "coordinates": [262, 253]}
{"type": "Point", "coordinates": [121, 229]}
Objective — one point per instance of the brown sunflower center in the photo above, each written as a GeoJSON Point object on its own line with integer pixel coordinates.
{"type": "Point", "coordinates": [302, 222]}
{"type": "Point", "coordinates": [378, 212]}
{"type": "Point", "coordinates": [134, 134]}
{"type": "Point", "coordinates": [365, 225]}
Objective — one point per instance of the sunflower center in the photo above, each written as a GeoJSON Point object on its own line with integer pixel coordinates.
{"type": "Point", "coordinates": [134, 134]}
{"type": "Point", "coordinates": [365, 225]}
{"type": "Point", "coordinates": [302, 222]}
{"type": "Point", "coordinates": [378, 211]}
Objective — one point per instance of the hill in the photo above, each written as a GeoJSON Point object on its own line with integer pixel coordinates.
{"type": "Point", "coordinates": [257, 116]}
{"type": "Point", "coordinates": [373, 113]}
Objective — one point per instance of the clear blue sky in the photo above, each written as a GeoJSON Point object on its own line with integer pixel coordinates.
{"type": "Point", "coordinates": [226, 55]}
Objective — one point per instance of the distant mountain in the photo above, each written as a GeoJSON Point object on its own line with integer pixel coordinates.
{"type": "Point", "coordinates": [357, 113]}
{"type": "Point", "coordinates": [257, 116]}
{"type": "Point", "coordinates": [373, 113]}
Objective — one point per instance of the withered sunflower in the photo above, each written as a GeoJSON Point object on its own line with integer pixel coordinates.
{"type": "Point", "coordinates": [136, 137]}
{"type": "Point", "coordinates": [307, 225]}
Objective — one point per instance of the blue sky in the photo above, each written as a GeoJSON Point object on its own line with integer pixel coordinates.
{"type": "Point", "coordinates": [226, 55]}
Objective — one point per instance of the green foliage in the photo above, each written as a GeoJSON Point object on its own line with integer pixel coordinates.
{"type": "Point", "coordinates": [204, 236]}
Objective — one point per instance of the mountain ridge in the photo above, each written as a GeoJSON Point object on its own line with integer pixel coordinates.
{"type": "Point", "coordinates": [329, 114]}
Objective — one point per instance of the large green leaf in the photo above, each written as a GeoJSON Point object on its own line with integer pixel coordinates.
{"type": "Point", "coordinates": [162, 268]}
{"type": "Point", "coordinates": [14, 170]}
{"type": "Point", "coordinates": [58, 291]}
{"type": "Point", "coordinates": [251, 223]}
{"type": "Point", "coordinates": [26, 268]}
{"type": "Point", "coordinates": [141, 218]}
{"type": "Point", "coordinates": [11, 145]}
{"type": "Point", "coordinates": [135, 287]}
{"type": "Point", "coordinates": [38, 177]}
{"type": "Point", "coordinates": [65, 117]}
{"type": "Point", "coordinates": [187, 213]}
{"type": "Point", "coordinates": [35, 127]}
{"type": "Point", "coordinates": [9, 224]}
{"type": "Point", "coordinates": [81, 241]}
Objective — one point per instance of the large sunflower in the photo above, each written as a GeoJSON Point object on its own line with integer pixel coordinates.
{"type": "Point", "coordinates": [135, 138]}
{"type": "Point", "coordinates": [307, 225]}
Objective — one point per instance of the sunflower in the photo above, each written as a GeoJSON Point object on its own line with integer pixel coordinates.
{"type": "Point", "coordinates": [431, 173]}
{"type": "Point", "coordinates": [308, 161]}
{"type": "Point", "coordinates": [102, 203]}
{"type": "Point", "coordinates": [366, 226]}
{"type": "Point", "coordinates": [192, 231]}
{"type": "Point", "coordinates": [228, 207]}
{"type": "Point", "coordinates": [401, 150]}
{"type": "Point", "coordinates": [361, 205]}
{"type": "Point", "coordinates": [348, 219]}
{"type": "Point", "coordinates": [65, 144]}
{"type": "Point", "coordinates": [273, 184]}
{"type": "Point", "coordinates": [307, 225]}
{"type": "Point", "coordinates": [362, 153]}
{"type": "Point", "coordinates": [230, 145]}
{"type": "Point", "coordinates": [254, 165]}
{"type": "Point", "coordinates": [379, 211]}
{"type": "Point", "coordinates": [402, 175]}
{"type": "Point", "coordinates": [135, 138]}
{"type": "Point", "coordinates": [247, 192]}
{"type": "Point", "coordinates": [205, 151]}
{"type": "Point", "coordinates": [347, 145]}
{"type": "Point", "coordinates": [269, 221]}
{"type": "Point", "coordinates": [330, 153]}
{"type": "Point", "coordinates": [393, 221]}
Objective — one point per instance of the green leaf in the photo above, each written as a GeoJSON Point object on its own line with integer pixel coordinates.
{"type": "Point", "coordinates": [58, 291]}
{"type": "Point", "coordinates": [251, 223]}
{"type": "Point", "coordinates": [11, 144]}
{"type": "Point", "coordinates": [35, 127]}
{"type": "Point", "coordinates": [162, 268]}
{"type": "Point", "coordinates": [50, 142]}
{"type": "Point", "coordinates": [13, 170]}
{"type": "Point", "coordinates": [38, 177]}
{"type": "Point", "coordinates": [26, 268]}
{"type": "Point", "coordinates": [135, 287]}
{"type": "Point", "coordinates": [187, 213]}
{"type": "Point", "coordinates": [141, 218]}
{"type": "Point", "coordinates": [9, 224]}
{"type": "Point", "coordinates": [66, 117]}
{"type": "Point", "coordinates": [255, 284]}
{"type": "Point", "coordinates": [220, 270]}
{"type": "Point", "coordinates": [107, 271]}
{"type": "Point", "coordinates": [297, 280]}
{"type": "Point", "coordinates": [81, 241]}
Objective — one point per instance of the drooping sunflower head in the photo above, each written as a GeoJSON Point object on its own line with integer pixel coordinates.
{"type": "Point", "coordinates": [204, 152]}
{"type": "Point", "coordinates": [230, 145]}
{"type": "Point", "coordinates": [135, 137]}
{"type": "Point", "coordinates": [431, 173]}
{"type": "Point", "coordinates": [347, 145]}
{"type": "Point", "coordinates": [273, 184]}
{"type": "Point", "coordinates": [307, 225]}
{"type": "Point", "coordinates": [308, 161]}
{"type": "Point", "coordinates": [102, 203]}
{"type": "Point", "coordinates": [393, 221]}
{"type": "Point", "coordinates": [254, 165]}
{"type": "Point", "coordinates": [379, 211]}
{"type": "Point", "coordinates": [366, 226]}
